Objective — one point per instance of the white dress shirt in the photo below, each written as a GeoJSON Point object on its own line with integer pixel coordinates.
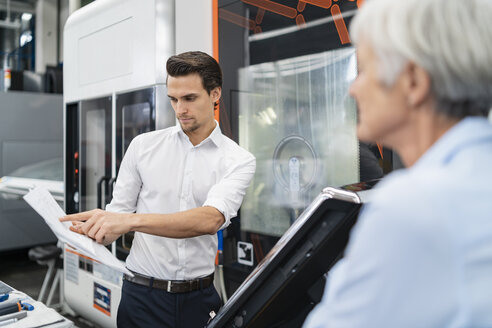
{"type": "Point", "coordinates": [420, 254]}
{"type": "Point", "coordinates": [162, 172]}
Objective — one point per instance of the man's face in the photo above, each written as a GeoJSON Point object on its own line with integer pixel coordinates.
{"type": "Point", "coordinates": [193, 106]}
{"type": "Point", "coordinates": [383, 111]}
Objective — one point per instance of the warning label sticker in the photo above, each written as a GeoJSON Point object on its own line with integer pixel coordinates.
{"type": "Point", "coordinates": [102, 299]}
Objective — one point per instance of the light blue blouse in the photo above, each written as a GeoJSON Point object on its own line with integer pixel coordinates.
{"type": "Point", "coordinates": [421, 252]}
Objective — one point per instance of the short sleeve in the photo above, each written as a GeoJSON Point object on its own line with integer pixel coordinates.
{"type": "Point", "coordinates": [227, 195]}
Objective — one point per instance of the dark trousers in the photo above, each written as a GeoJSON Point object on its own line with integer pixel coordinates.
{"type": "Point", "coordinates": [142, 306]}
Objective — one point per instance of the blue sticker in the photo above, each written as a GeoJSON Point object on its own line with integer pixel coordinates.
{"type": "Point", "coordinates": [102, 299]}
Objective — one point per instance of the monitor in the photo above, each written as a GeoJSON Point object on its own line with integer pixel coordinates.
{"type": "Point", "coordinates": [289, 281]}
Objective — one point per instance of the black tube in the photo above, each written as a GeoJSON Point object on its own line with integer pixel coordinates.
{"type": "Point", "coordinates": [10, 308]}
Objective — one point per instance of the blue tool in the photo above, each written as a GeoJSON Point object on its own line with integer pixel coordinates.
{"type": "Point", "coordinates": [27, 306]}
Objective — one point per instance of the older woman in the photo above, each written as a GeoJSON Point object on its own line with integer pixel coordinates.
{"type": "Point", "coordinates": [421, 252]}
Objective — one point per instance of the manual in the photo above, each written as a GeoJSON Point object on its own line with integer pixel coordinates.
{"type": "Point", "coordinates": [43, 202]}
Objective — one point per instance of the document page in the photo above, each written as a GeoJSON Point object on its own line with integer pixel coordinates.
{"type": "Point", "coordinates": [43, 202]}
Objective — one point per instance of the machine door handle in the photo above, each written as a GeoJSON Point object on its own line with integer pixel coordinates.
{"type": "Point", "coordinates": [111, 183]}
{"type": "Point", "coordinates": [99, 190]}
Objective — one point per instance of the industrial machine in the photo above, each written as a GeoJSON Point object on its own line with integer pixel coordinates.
{"type": "Point", "coordinates": [31, 148]}
{"type": "Point", "coordinates": [114, 89]}
{"type": "Point", "coordinates": [287, 69]}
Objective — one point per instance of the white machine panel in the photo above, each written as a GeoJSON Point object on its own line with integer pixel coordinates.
{"type": "Point", "coordinates": [119, 61]}
{"type": "Point", "coordinates": [92, 289]}
{"type": "Point", "coordinates": [194, 26]}
{"type": "Point", "coordinates": [116, 45]}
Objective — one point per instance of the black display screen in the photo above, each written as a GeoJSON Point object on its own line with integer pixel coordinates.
{"type": "Point", "coordinates": [287, 283]}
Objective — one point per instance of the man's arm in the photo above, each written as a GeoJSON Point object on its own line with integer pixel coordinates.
{"type": "Point", "coordinates": [105, 227]}
{"type": "Point", "coordinates": [223, 201]}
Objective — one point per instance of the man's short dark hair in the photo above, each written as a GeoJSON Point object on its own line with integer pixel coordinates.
{"type": "Point", "coordinates": [196, 62]}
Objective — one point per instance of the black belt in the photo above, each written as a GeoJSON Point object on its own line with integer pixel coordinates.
{"type": "Point", "coordinates": [171, 286]}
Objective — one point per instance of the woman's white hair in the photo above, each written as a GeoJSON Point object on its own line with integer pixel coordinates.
{"type": "Point", "coordinates": [450, 39]}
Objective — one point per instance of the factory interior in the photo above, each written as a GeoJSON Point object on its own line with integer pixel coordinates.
{"type": "Point", "coordinates": [81, 79]}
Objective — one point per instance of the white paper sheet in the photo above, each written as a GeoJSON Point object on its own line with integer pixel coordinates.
{"type": "Point", "coordinates": [42, 202]}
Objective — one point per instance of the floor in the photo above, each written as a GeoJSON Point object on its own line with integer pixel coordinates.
{"type": "Point", "coordinates": [27, 276]}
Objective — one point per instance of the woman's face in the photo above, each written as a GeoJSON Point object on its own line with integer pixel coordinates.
{"type": "Point", "coordinates": [383, 110]}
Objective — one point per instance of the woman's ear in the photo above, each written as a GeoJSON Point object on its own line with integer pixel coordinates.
{"type": "Point", "coordinates": [418, 84]}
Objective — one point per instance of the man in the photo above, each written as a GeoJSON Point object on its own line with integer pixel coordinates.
{"type": "Point", "coordinates": [195, 179]}
{"type": "Point", "coordinates": [421, 252]}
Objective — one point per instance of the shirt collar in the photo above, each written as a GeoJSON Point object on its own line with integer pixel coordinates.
{"type": "Point", "coordinates": [470, 130]}
{"type": "Point", "coordinates": [215, 136]}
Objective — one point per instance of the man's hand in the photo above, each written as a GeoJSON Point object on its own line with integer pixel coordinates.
{"type": "Point", "coordinates": [104, 227]}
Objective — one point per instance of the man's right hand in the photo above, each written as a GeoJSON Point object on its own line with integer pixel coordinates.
{"type": "Point", "coordinates": [102, 226]}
